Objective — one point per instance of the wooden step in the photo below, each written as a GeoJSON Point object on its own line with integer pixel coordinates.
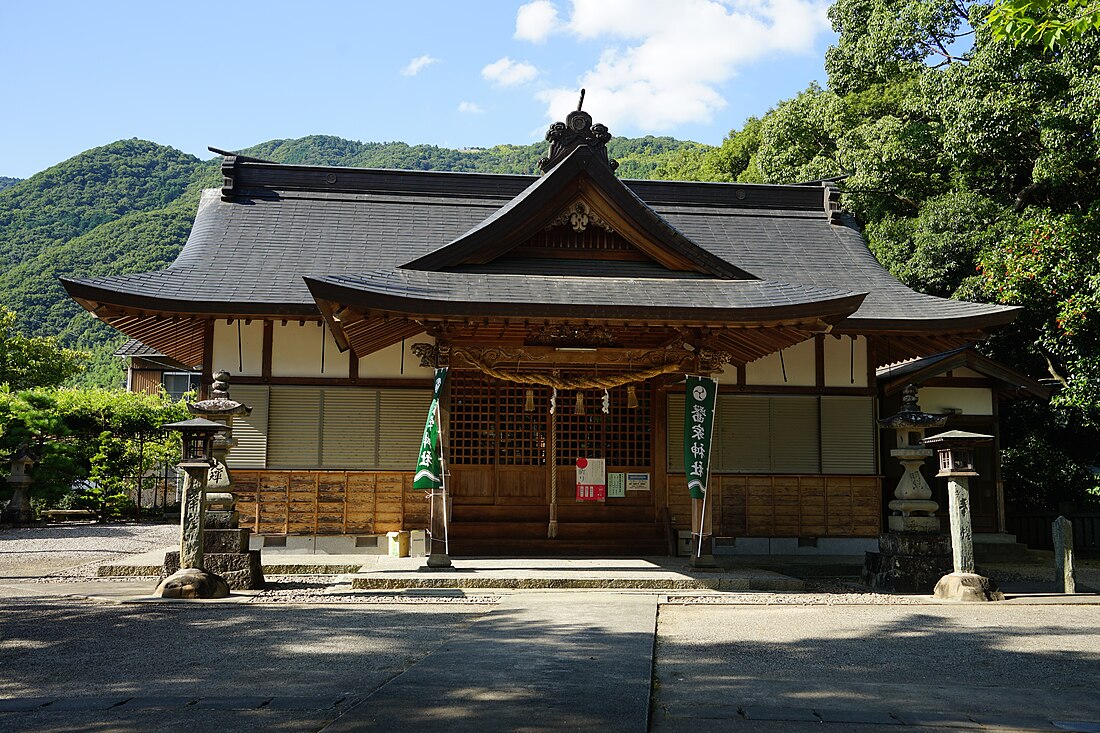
{"type": "Point", "coordinates": [556, 548]}
{"type": "Point", "coordinates": [541, 513]}
{"type": "Point", "coordinates": [566, 530]}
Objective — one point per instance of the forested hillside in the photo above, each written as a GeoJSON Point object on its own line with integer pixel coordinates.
{"type": "Point", "coordinates": [5, 181]}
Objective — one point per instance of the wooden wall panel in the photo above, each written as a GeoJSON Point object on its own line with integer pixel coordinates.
{"type": "Point", "coordinates": [388, 495]}
{"type": "Point", "coordinates": [679, 503]}
{"type": "Point", "coordinates": [755, 505]}
{"type": "Point", "coordinates": [145, 381]}
{"type": "Point", "coordinates": [416, 505]}
{"type": "Point", "coordinates": [472, 484]}
{"type": "Point", "coordinates": [359, 517]}
{"type": "Point", "coordinates": [329, 502]}
{"type": "Point", "coordinates": [246, 487]}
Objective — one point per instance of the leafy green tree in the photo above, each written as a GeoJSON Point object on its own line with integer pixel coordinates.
{"type": "Point", "coordinates": [93, 446]}
{"type": "Point", "coordinates": [33, 361]}
{"type": "Point", "coordinates": [1048, 23]}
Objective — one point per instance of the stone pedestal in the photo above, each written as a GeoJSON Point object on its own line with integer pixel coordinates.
{"type": "Point", "coordinates": [18, 511]}
{"type": "Point", "coordinates": [907, 562]}
{"type": "Point", "coordinates": [967, 587]}
{"type": "Point", "coordinates": [192, 583]}
{"type": "Point", "coordinates": [239, 570]}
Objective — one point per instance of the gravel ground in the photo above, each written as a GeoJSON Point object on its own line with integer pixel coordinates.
{"type": "Point", "coordinates": [75, 551]}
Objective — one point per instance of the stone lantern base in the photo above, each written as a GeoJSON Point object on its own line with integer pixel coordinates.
{"type": "Point", "coordinates": [968, 587]}
{"type": "Point", "coordinates": [192, 583]}
{"type": "Point", "coordinates": [907, 562]}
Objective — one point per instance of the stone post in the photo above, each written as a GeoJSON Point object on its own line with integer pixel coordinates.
{"type": "Point", "coordinates": [1065, 580]}
{"type": "Point", "coordinates": [191, 519]}
{"type": "Point", "coordinates": [962, 532]}
{"type": "Point", "coordinates": [956, 459]}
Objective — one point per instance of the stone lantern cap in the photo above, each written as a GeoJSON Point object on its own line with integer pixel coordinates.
{"type": "Point", "coordinates": [957, 439]}
{"type": "Point", "coordinates": [22, 454]}
{"type": "Point", "coordinates": [911, 415]}
{"type": "Point", "coordinates": [219, 404]}
{"type": "Point", "coordinates": [194, 425]}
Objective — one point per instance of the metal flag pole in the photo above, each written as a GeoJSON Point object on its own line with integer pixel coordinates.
{"type": "Point", "coordinates": [703, 507]}
{"type": "Point", "coordinates": [443, 479]}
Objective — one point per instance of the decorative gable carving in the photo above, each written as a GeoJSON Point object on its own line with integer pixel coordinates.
{"type": "Point", "coordinates": [579, 215]}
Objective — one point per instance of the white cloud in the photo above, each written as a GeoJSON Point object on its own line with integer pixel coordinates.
{"type": "Point", "coordinates": [470, 108]}
{"type": "Point", "coordinates": [417, 65]}
{"type": "Point", "coordinates": [508, 73]}
{"type": "Point", "coordinates": [663, 63]}
{"type": "Point", "coordinates": [536, 20]}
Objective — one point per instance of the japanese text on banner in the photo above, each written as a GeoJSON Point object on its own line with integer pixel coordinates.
{"type": "Point", "coordinates": [698, 430]}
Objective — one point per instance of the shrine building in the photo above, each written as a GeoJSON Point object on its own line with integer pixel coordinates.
{"type": "Point", "coordinates": [330, 294]}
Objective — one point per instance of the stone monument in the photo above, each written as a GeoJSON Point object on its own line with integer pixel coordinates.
{"type": "Point", "coordinates": [225, 550]}
{"type": "Point", "coordinates": [912, 554]}
{"type": "Point", "coordinates": [188, 578]}
{"type": "Point", "coordinates": [19, 511]}
{"type": "Point", "coordinates": [1065, 578]}
{"type": "Point", "coordinates": [956, 457]}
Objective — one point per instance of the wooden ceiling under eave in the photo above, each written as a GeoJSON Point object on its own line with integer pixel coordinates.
{"type": "Point", "coordinates": [180, 337]}
{"type": "Point", "coordinates": [891, 348]}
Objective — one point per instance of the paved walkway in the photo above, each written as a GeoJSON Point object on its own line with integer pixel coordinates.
{"type": "Point", "coordinates": [551, 662]}
{"type": "Point", "coordinates": [548, 660]}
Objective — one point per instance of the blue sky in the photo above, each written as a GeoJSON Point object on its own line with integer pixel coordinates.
{"type": "Point", "coordinates": [457, 74]}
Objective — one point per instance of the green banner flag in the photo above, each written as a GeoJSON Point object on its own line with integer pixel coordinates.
{"type": "Point", "coordinates": [698, 430]}
{"type": "Point", "coordinates": [429, 464]}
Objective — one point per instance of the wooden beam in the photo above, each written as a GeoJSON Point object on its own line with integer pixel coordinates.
{"type": "Point", "coordinates": [268, 347]}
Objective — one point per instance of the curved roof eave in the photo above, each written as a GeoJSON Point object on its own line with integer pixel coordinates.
{"type": "Point", "coordinates": [512, 296]}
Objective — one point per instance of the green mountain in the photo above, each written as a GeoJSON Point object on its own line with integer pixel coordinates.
{"type": "Point", "coordinates": [128, 207]}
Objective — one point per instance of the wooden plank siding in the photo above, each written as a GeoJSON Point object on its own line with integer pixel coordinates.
{"type": "Point", "coordinates": [753, 505]}
{"type": "Point", "coordinates": [328, 502]}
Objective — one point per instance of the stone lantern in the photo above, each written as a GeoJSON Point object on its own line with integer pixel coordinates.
{"type": "Point", "coordinates": [18, 510]}
{"type": "Point", "coordinates": [913, 508]}
{"type": "Point", "coordinates": [912, 554]}
{"type": "Point", "coordinates": [957, 465]}
{"type": "Point", "coordinates": [225, 549]}
{"type": "Point", "coordinates": [192, 580]}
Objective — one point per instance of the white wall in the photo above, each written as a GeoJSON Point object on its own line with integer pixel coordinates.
{"type": "Point", "coordinates": [971, 400]}
{"type": "Point", "coordinates": [842, 362]}
{"type": "Point", "coordinates": [251, 352]}
{"type": "Point", "coordinates": [296, 351]}
{"type": "Point", "coordinates": [799, 362]}
{"type": "Point", "coordinates": [386, 363]}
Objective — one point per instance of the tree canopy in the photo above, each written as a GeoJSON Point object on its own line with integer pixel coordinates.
{"type": "Point", "coordinates": [33, 361]}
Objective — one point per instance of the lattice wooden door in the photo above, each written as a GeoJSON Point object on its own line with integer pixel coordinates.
{"type": "Point", "coordinates": [498, 448]}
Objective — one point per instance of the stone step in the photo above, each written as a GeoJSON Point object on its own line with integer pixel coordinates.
{"type": "Point", "coordinates": [1000, 551]}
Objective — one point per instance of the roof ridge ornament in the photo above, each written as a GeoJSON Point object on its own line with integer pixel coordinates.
{"type": "Point", "coordinates": [577, 130]}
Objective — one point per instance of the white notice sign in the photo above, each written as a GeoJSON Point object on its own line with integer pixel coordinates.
{"type": "Point", "coordinates": [616, 485]}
